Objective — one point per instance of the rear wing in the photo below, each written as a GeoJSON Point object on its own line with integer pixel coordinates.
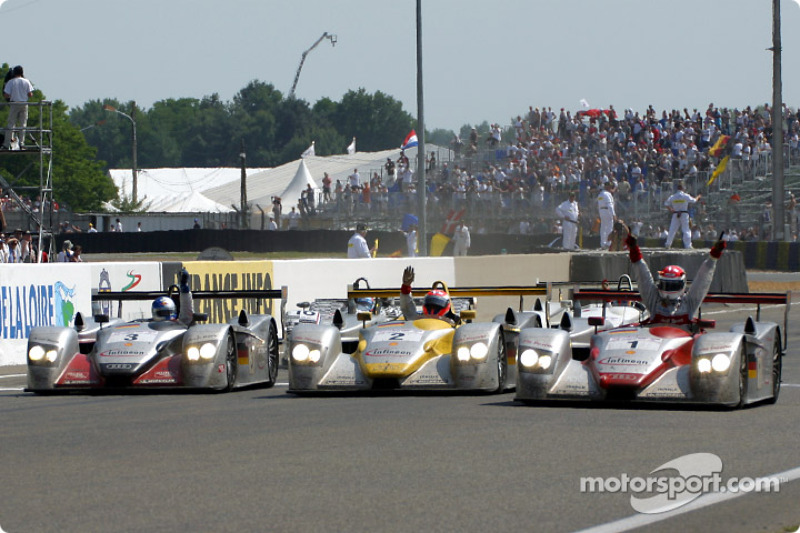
{"type": "Point", "coordinates": [255, 296]}
{"type": "Point", "coordinates": [759, 299]}
{"type": "Point", "coordinates": [456, 293]}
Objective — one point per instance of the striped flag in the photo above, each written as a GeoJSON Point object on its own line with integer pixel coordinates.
{"type": "Point", "coordinates": [411, 140]}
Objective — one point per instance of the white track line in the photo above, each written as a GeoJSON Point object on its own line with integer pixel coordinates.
{"type": "Point", "coordinates": [13, 376]}
{"type": "Point", "coordinates": [706, 500]}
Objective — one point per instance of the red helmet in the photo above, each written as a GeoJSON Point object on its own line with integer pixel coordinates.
{"type": "Point", "coordinates": [671, 282]}
{"type": "Point", "coordinates": [436, 303]}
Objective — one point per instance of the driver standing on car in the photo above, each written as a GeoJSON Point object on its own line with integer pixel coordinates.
{"type": "Point", "coordinates": [163, 307]}
{"type": "Point", "coordinates": [668, 301]}
{"type": "Point", "coordinates": [435, 305]}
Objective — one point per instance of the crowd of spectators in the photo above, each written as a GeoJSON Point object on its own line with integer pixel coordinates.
{"type": "Point", "coordinates": [533, 164]}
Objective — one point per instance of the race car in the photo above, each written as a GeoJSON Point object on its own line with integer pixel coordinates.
{"type": "Point", "coordinates": [104, 353]}
{"type": "Point", "coordinates": [422, 353]}
{"type": "Point", "coordinates": [655, 362]}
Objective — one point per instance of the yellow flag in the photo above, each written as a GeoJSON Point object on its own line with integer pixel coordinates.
{"type": "Point", "coordinates": [438, 243]}
{"type": "Point", "coordinates": [720, 169]}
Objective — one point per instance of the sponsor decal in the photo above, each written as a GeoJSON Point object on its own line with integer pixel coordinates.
{"type": "Point", "coordinates": [620, 376]}
{"type": "Point", "coordinates": [386, 351]}
{"type": "Point", "coordinates": [221, 369]}
{"type": "Point", "coordinates": [142, 336]}
{"type": "Point", "coordinates": [622, 331]}
{"type": "Point", "coordinates": [76, 376]}
{"type": "Point", "coordinates": [118, 353]}
{"type": "Point", "coordinates": [211, 276]}
{"type": "Point", "coordinates": [408, 335]}
{"type": "Point", "coordinates": [118, 366]}
{"type": "Point", "coordinates": [621, 361]}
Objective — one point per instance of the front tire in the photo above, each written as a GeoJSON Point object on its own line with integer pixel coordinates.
{"type": "Point", "coordinates": [231, 363]}
{"type": "Point", "coordinates": [777, 369]}
{"type": "Point", "coordinates": [502, 363]}
{"type": "Point", "coordinates": [273, 356]}
{"type": "Point", "coordinates": [743, 377]}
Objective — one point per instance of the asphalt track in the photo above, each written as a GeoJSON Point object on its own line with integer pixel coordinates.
{"type": "Point", "coordinates": [262, 459]}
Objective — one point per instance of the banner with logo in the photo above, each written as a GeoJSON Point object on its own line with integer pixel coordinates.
{"type": "Point", "coordinates": [124, 277]}
{"type": "Point", "coordinates": [33, 295]}
{"type": "Point", "coordinates": [229, 276]}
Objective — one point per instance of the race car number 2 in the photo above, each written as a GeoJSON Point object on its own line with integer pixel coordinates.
{"type": "Point", "coordinates": [398, 336]}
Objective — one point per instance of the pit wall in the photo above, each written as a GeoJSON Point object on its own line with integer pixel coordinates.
{"type": "Point", "coordinates": [51, 294]}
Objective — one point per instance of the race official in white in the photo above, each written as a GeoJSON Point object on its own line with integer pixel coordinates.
{"type": "Point", "coordinates": [678, 205]}
{"type": "Point", "coordinates": [357, 246]}
{"type": "Point", "coordinates": [569, 213]}
{"type": "Point", "coordinates": [605, 207]}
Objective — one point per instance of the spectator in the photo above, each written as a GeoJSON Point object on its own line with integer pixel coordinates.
{"type": "Point", "coordinates": [76, 254]}
{"type": "Point", "coordinates": [92, 229]}
{"type": "Point", "coordinates": [569, 212]}
{"type": "Point", "coordinates": [65, 255]}
{"type": "Point", "coordinates": [17, 91]}
{"type": "Point", "coordinates": [461, 239]}
{"type": "Point", "coordinates": [605, 206]}
{"type": "Point", "coordinates": [354, 179]}
{"type": "Point", "coordinates": [411, 240]}
{"type": "Point", "coordinates": [294, 219]}
{"type": "Point", "coordinates": [195, 226]}
{"type": "Point", "coordinates": [14, 253]}
{"type": "Point", "coordinates": [326, 188]}
{"type": "Point", "coordinates": [118, 226]}
{"type": "Point", "coordinates": [272, 226]}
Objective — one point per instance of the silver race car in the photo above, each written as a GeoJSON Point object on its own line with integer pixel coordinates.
{"type": "Point", "coordinates": [657, 362]}
{"type": "Point", "coordinates": [422, 353]}
{"type": "Point", "coordinates": [103, 353]}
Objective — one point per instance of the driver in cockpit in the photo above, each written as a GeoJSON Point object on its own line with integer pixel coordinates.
{"type": "Point", "coordinates": [436, 303]}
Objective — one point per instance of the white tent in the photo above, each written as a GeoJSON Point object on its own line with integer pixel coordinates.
{"type": "Point", "coordinates": [302, 179]}
{"type": "Point", "coordinates": [178, 190]}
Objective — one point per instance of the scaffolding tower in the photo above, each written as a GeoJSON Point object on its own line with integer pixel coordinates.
{"type": "Point", "coordinates": [35, 140]}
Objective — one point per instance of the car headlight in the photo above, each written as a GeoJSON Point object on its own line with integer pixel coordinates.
{"type": "Point", "coordinates": [208, 351]}
{"type": "Point", "coordinates": [529, 358]}
{"type": "Point", "coordinates": [300, 353]}
{"type": "Point", "coordinates": [314, 356]}
{"type": "Point", "coordinates": [193, 353]}
{"type": "Point", "coordinates": [720, 362]}
{"type": "Point", "coordinates": [36, 353]}
{"type": "Point", "coordinates": [545, 361]}
{"type": "Point", "coordinates": [463, 354]}
{"type": "Point", "coordinates": [41, 354]}
{"type": "Point", "coordinates": [704, 365]}
{"type": "Point", "coordinates": [479, 351]}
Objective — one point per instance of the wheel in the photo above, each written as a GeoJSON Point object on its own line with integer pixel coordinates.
{"type": "Point", "coordinates": [502, 363]}
{"type": "Point", "coordinates": [743, 377]}
{"type": "Point", "coordinates": [231, 363]}
{"type": "Point", "coordinates": [273, 355]}
{"type": "Point", "coordinates": [777, 367]}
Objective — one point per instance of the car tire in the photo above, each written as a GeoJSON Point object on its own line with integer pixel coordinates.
{"type": "Point", "coordinates": [777, 370]}
{"type": "Point", "coordinates": [273, 356]}
{"type": "Point", "coordinates": [502, 363]}
{"type": "Point", "coordinates": [231, 362]}
{"type": "Point", "coordinates": [743, 377]}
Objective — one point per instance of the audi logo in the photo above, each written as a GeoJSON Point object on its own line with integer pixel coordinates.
{"type": "Point", "coordinates": [119, 366]}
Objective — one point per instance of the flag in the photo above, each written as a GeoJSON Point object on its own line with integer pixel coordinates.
{"type": "Point", "coordinates": [411, 140]}
{"type": "Point", "coordinates": [351, 148]}
{"type": "Point", "coordinates": [449, 225]}
{"type": "Point", "coordinates": [720, 169]}
{"type": "Point", "coordinates": [309, 152]}
{"type": "Point", "coordinates": [584, 103]}
{"type": "Point", "coordinates": [438, 243]}
{"type": "Point", "coordinates": [719, 146]}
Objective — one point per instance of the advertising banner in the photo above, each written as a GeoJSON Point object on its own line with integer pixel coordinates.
{"type": "Point", "coordinates": [125, 277]}
{"type": "Point", "coordinates": [34, 295]}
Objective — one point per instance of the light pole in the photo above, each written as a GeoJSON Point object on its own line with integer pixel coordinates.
{"type": "Point", "coordinates": [135, 169]}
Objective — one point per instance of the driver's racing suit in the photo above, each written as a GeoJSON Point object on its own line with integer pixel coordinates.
{"type": "Point", "coordinates": [680, 311]}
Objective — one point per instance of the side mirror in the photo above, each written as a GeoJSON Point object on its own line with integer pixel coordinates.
{"type": "Point", "coordinates": [101, 318]}
{"type": "Point", "coordinates": [704, 323]}
{"type": "Point", "coordinates": [468, 314]}
{"type": "Point", "coordinates": [364, 316]}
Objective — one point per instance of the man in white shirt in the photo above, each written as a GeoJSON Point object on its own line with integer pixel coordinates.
{"type": "Point", "coordinates": [461, 239]}
{"type": "Point", "coordinates": [411, 240]}
{"type": "Point", "coordinates": [678, 206]}
{"type": "Point", "coordinates": [605, 206]}
{"type": "Point", "coordinates": [17, 91]}
{"type": "Point", "coordinates": [355, 179]}
{"type": "Point", "coordinates": [568, 212]}
{"type": "Point", "coordinates": [357, 246]}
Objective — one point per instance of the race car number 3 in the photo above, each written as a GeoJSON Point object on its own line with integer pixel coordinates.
{"type": "Point", "coordinates": [132, 336]}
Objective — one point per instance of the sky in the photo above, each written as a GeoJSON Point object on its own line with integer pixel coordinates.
{"type": "Point", "coordinates": [482, 61]}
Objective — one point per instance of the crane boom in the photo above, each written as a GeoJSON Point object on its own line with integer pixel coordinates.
{"type": "Point", "coordinates": [325, 35]}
